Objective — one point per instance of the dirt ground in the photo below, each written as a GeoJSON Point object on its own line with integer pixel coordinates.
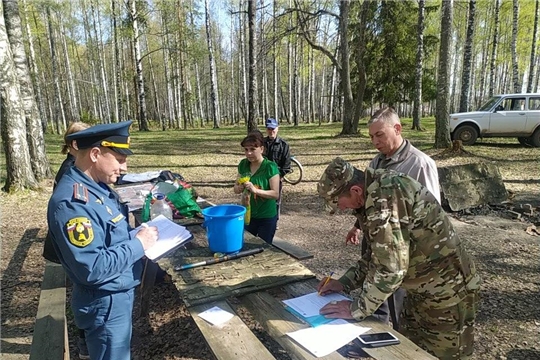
{"type": "Point", "coordinates": [506, 255]}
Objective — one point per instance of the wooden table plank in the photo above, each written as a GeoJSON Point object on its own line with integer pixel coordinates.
{"type": "Point", "coordinates": [291, 249]}
{"type": "Point", "coordinates": [258, 272]}
{"type": "Point", "coordinates": [50, 335]}
{"type": "Point", "coordinates": [277, 321]}
{"type": "Point", "coordinates": [233, 340]}
{"type": "Point", "coordinates": [404, 351]}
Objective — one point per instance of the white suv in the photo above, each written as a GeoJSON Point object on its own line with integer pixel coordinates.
{"type": "Point", "coordinates": [510, 115]}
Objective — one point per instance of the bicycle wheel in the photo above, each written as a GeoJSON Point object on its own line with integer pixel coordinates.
{"type": "Point", "coordinates": [297, 171]}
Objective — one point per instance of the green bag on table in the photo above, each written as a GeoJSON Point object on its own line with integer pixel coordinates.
{"type": "Point", "coordinates": [184, 202]}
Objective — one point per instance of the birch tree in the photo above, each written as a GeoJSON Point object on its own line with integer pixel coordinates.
{"type": "Point", "coordinates": [143, 122]}
{"type": "Point", "coordinates": [442, 126]}
{"type": "Point", "coordinates": [60, 115]}
{"type": "Point", "coordinates": [466, 69]}
{"type": "Point", "coordinates": [213, 76]}
{"type": "Point", "coordinates": [419, 65]}
{"type": "Point", "coordinates": [36, 141]}
{"type": "Point", "coordinates": [19, 173]}
{"type": "Point", "coordinates": [534, 45]}
{"type": "Point", "coordinates": [496, 26]}
{"type": "Point", "coordinates": [515, 69]}
{"type": "Point", "coordinates": [252, 80]}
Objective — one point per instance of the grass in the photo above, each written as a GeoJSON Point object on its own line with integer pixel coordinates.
{"type": "Point", "coordinates": [210, 156]}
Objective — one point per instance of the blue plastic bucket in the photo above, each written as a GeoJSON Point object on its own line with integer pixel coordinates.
{"type": "Point", "coordinates": [224, 227]}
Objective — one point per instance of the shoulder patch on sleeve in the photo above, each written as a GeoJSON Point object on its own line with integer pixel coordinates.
{"type": "Point", "coordinates": [80, 232]}
{"type": "Point", "coordinates": [80, 192]}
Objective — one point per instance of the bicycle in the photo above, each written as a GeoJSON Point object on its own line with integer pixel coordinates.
{"type": "Point", "coordinates": [296, 173]}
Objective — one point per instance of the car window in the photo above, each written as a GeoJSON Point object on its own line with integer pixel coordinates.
{"type": "Point", "coordinates": [534, 103]}
{"type": "Point", "coordinates": [512, 104]}
{"type": "Point", "coordinates": [489, 104]}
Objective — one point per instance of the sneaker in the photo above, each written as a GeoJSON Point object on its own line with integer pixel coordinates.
{"type": "Point", "coordinates": [83, 349]}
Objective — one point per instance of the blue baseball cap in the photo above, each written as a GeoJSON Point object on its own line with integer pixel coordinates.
{"type": "Point", "coordinates": [271, 123]}
{"type": "Point", "coordinates": [113, 136]}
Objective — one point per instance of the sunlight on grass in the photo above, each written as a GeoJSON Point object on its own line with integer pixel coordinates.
{"type": "Point", "coordinates": [210, 156]}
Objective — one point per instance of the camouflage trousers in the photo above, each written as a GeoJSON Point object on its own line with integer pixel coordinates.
{"type": "Point", "coordinates": [447, 333]}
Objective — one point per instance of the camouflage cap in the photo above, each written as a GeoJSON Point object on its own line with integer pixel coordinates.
{"type": "Point", "coordinates": [334, 181]}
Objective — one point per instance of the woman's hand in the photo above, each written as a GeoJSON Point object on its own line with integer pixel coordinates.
{"type": "Point", "coordinates": [248, 185]}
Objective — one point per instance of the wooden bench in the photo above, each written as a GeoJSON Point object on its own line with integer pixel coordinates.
{"type": "Point", "coordinates": [50, 337]}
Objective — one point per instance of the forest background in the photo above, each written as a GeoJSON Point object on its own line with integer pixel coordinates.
{"type": "Point", "coordinates": [199, 74]}
{"type": "Point", "coordinates": [178, 64]}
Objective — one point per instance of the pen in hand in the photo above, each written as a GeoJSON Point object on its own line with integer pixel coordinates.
{"type": "Point", "coordinates": [326, 282]}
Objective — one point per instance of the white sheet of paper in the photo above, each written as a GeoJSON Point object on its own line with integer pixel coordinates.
{"type": "Point", "coordinates": [310, 304]}
{"type": "Point", "coordinates": [171, 235]}
{"type": "Point", "coordinates": [324, 339]}
{"type": "Point", "coordinates": [140, 177]}
{"type": "Point", "coordinates": [216, 315]}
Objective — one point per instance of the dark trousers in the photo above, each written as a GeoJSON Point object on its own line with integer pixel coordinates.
{"type": "Point", "coordinates": [278, 201]}
{"type": "Point", "coordinates": [263, 228]}
{"type": "Point", "coordinates": [392, 307]}
{"type": "Point", "coordinates": [107, 321]}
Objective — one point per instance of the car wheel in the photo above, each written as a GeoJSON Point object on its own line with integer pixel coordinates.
{"type": "Point", "coordinates": [524, 140]}
{"type": "Point", "coordinates": [467, 134]}
{"type": "Point", "coordinates": [534, 140]}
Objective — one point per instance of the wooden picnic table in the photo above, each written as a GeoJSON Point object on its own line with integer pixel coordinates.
{"type": "Point", "coordinates": [259, 283]}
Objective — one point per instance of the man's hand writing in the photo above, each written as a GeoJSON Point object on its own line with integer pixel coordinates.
{"type": "Point", "coordinates": [333, 286]}
{"type": "Point", "coordinates": [148, 236]}
{"type": "Point", "coordinates": [353, 236]}
{"type": "Point", "coordinates": [337, 310]}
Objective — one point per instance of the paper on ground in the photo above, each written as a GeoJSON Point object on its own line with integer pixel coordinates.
{"type": "Point", "coordinates": [310, 304]}
{"type": "Point", "coordinates": [216, 315]}
{"type": "Point", "coordinates": [327, 338]}
{"type": "Point", "coordinates": [171, 235]}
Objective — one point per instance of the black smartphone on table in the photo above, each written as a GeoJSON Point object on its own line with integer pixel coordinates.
{"type": "Point", "coordinates": [378, 339]}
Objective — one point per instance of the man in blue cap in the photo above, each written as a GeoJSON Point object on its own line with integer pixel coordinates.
{"type": "Point", "coordinates": [277, 150]}
{"type": "Point", "coordinates": [90, 233]}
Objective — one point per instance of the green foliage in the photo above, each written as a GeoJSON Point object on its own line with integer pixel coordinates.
{"type": "Point", "coordinates": [390, 51]}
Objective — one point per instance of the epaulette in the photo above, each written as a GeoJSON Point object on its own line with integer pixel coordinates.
{"type": "Point", "coordinates": [80, 192]}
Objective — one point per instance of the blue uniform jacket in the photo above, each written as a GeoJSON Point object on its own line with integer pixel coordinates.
{"type": "Point", "coordinates": [91, 234]}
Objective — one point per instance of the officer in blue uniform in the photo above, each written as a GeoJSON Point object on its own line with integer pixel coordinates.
{"type": "Point", "coordinates": [90, 232]}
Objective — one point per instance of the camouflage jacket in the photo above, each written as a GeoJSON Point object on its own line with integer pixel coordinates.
{"type": "Point", "coordinates": [411, 244]}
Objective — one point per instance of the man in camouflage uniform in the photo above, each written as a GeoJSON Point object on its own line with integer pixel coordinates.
{"type": "Point", "coordinates": [411, 244]}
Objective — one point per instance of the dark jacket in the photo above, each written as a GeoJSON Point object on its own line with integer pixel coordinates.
{"type": "Point", "coordinates": [48, 250]}
{"type": "Point", "coordinates": [278, 151]}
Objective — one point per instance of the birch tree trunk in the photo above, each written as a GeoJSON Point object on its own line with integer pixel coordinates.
{"type": "Point", "coordinates": [34, 70]}
{"type": "Point", "coordinates": [274, 64]}
{"type": "Point", "coordinates": [419, 65]}
{"type": "Point", "coordinates": [117, 108]}
{"type": "Point", "coordinates": [242, 65]}
{"type": "Point", "coordinates": [19, 173]}
{"type": "Point", "coordinates": [252, 91]}
{"type": "Point", "coordinates": [466, 69]}
{"type": "Point", "coordinates": [213, 76]}
{"type": "Point", "coordinates": [74, 109]}
{"type": "Point", "coordinates": [496, 26]}
{"type": "Point", "coordinates": [167, 72]}
{"type": "Point", "coordinates": [515, 70]}
{"type": "Point", "coordinates": [59, 108]}
{"type": "Point", "coordinates": [442, 126]}
{"type": "Point", "coordinates": [533, 49]}
{"type": "Point", "coordinates": [350, 127]}
{"type": "Point", "coordinates": [101, 64]}
{"type": "Point", "coordinates": [36, 141]}
{"type": "Point", "coordinates": [143, 123]}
